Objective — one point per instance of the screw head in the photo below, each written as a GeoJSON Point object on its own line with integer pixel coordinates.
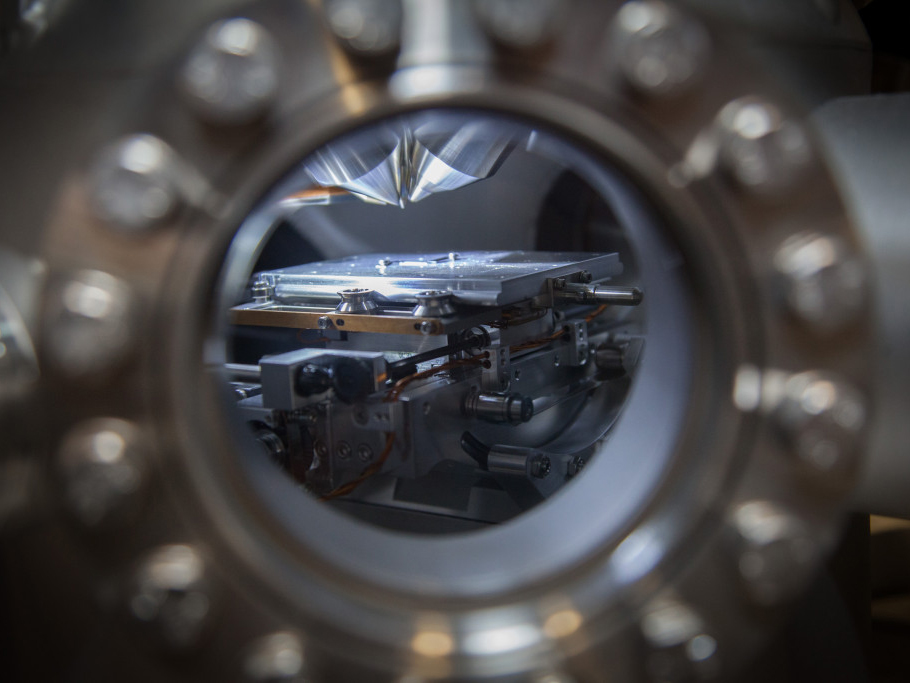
{"type": "Point", "coordinates": [344, 450]}
{"type": "Point", "coordinates": [231, 77]}
{"type": "Point", "coordinates": [170, 595]}
{"type": "Point", "coordinates": [662, 51]}
{"type": "Point", "coordinates": [89, 322]}
{"type": "Point", "coordinates": [366, 27]}
{"type": "Point", "coordinates": [519, 24]}
{"type": "Point", "coordinates": [101, 469]}
{"type": "Point", "coordinates": [822, 418]}
{"type": "Point", "coordinates": [763, 150]}
{"type": "Point", "coordinates": [364, 452]}
{"type": "Point", "coordinates": [324, 322]}
{"type": "Point", "coordinates": [275, 657]}
{"type": "Point", "coordinates": [777, 552]}
{"type": "Point", "coordinates": [427, 327]}
{"type": "Point", "coordinates": [823, 282]}
{"type": "Point", "coordinates": [540, 468]}
{"type": "Point", "coordinates": [135, 182]}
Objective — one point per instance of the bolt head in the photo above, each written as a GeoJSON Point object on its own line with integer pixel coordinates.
{"type": "Point", "coordinates": [366, 27]}
{"type": "Point", "coordinates": [89, 322]}
{"type": "Point", "coordinates": [427, 327]}
{"type": "Point", "coordinates": [662, 52]}
{"type": "Point", "coordinates": [343, 448]}
{"type": "Point", "coordinates": [135, 182]}
{"type": "Point", "coordinates": [823, 283]}
{"type": "Point", "coordinates": [764, 151]}
{"type": "Point", "coordinates": [324, 322]}
{"type": "Point", "coordinates": [541, 467]}
{"type": "Point", "coordinates": [777, 552]}
{"type": "Point", "coordinates": [822, 418]}
{"type": "Point", "coordinates": [170, 596]}
{"type": "Point", "coordinates": [101, 470]}
{"type": "Point", "coordinates": [519, 24]}
{"type": "Point", "coordinates": [364, 452]}
{"type": "Point", "coordinates": [231, 77]}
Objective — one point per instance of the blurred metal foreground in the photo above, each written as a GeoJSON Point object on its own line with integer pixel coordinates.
{"type": "Point", "coordinates": [134, 545]}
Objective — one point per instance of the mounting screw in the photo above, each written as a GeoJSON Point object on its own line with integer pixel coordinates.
{"type": "Point", "coordinates": [101, 469]}
{"type": "Point", "coordinates": [343, 448]}
{"type": "Point", "coordinates": [822, 418]}
{"type": "Point", "coordinates": [762, 150]}
{"type": "Point", "coordinates": [276, 657]}
{"type": "Point", "coordinates": [427, 327]}
{"type": "Point", "coordinates": [585, 277]}
{"type": "Point", "coordinates": [364, 452]}
{"type": "Point", "coordinates": [170, 595]}
{"type": "Point", "coordinates": [231, 76]}
{"type": "Point", "coordinates": [366, 27]}
{"type": "Point", "coordinates": [777, 552]}
{"type": "Point", "coordinates": [540, 467]}
{"type": "Point", "coordinates": [135, 182]}
{"type": "Point", "coordinates": [576, 465]}
{"type": "Point", "coordinates": [320, 448]}
{"type": "Point", "coordinates": [662, 52]}
{"type": "Point", "coordinates": [823, 282]}
{"type": "Point", "coordinates": [519, 24]}
{"type": "Point", "coordinates": [324, 322]}
{"type": "Point", "coordinates": [89, 323]}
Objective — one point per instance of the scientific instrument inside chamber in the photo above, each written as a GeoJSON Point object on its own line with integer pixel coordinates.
{"type": "Point", "coordinates": [440, 325]}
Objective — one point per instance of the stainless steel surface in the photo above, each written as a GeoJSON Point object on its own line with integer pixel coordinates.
{"type": "Point", "coordinates": [686, 534]}
{"type": "Point", "coordinates": [473, 278]}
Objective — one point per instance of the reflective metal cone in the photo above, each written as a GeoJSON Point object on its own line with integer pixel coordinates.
{"type": "Point", "coordinates": [370, 164]}
{"type": "Point", "coordinates": [444, 160]}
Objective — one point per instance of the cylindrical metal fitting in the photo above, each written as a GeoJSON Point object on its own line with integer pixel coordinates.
{"type": "Point", "coordinates": [510, 408]}
{"type": "Point", "coordinates": [358, 300]}
{"type": "Point", "coordinates": [433, 304]}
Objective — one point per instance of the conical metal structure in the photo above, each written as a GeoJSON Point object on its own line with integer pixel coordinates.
{"type": "Point", "coordinates": [372, 164]}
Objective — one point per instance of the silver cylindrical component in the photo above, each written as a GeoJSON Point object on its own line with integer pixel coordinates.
{"type": "Point", "coordinates": [357, 301]}
{"type": "Point", "coordinates": [508, 408]}
{"type": "Point", "coordinates": [601, 294]}
{"type": "Point", "coordinates": [433, 304]}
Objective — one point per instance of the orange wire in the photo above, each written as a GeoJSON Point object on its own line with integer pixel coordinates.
{"type": "Point", "coordinates": [345, 489]}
